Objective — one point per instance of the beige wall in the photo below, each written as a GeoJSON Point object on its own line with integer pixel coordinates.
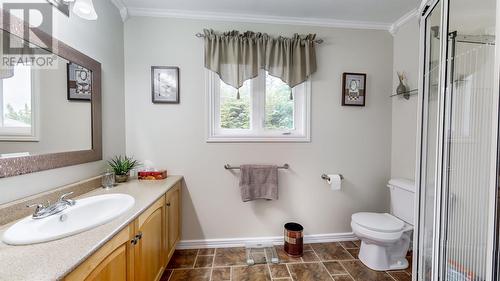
{"type": "Point", "coordinates": [353, 141]}
{"type": "Point", "coordinates": [404, 112]}
{"type": "Point", "coordinates": [103, 41]}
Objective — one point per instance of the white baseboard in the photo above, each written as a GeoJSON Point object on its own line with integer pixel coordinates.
{"type": "Point", "coordinates": [240, 242]}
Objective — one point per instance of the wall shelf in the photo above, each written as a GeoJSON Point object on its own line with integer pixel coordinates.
{"type": "Point", "coordinates": [406, 94]}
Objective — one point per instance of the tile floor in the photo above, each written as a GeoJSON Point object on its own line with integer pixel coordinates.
{"type": "Point", "coordinates": [321, 262]}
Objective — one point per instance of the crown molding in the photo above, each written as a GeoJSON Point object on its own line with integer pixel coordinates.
{"type": "Point", "coordinates": [121, 8]}
{"type": "Point", "coordinates": [402, 20]}
{"type": "Point", "coordinates": [216, 16]}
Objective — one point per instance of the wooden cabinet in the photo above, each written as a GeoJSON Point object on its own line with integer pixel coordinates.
{"type": "Point", "coordinates": [149, 264]}
{"type": "Point", "coordinates": [173, 219]}
{"type": "Point", "coordinates": [140, 251]}
{"type": "Point", "coordinates": [113, 261]}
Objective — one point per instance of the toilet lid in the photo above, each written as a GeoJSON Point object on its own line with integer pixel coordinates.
{"type": "Point", "coordinates": [378, 222]}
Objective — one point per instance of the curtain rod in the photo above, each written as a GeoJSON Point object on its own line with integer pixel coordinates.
{"type": "Point", "coordinates": [317, 41]}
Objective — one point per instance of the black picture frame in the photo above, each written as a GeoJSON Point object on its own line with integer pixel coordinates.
{"type": "Point", "coordinates": [161, 91]}
{"type": "Point", "coordinates": [353, 89]}
{"type": "Point", "coordinates": [73, 71]}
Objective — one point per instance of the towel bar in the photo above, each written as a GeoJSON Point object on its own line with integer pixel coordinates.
{"type": "Point", "coordinates": [229, 167]}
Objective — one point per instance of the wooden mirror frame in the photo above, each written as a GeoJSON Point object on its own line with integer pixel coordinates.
{"type": "Point", "coordinates": [28, 164]}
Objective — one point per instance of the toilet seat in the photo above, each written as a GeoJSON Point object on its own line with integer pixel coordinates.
{"type": "Point", "coordinates": [375, 236]}
{"type": "Point", "coordinates": [379, 227]}
{"type": "Point", "coordinates": [378, 222]}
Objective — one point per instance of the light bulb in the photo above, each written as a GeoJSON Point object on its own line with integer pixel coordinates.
{"type": "Point", "coordinates": [85, 9]}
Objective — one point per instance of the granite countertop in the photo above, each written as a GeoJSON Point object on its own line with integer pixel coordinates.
{"type": "Point", "coordinates": [53, 260]}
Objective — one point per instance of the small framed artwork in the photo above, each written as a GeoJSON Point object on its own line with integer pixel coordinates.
{"type": "Point", "coordinates": [79, 82]}
{"type": "Point", "coordinates": [165, 84]}
{"type": "Point", "coordinates": [353, 89]}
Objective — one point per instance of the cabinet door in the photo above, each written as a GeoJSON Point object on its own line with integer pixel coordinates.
{"type": "Point", "coordinates": [112, 262]}
{"type": "Point", "coordinates": [148, 250]}
{"type": "Point", "coordinates": [173, 211]}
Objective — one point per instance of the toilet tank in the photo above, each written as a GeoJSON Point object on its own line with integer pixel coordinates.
{"type": "Point", "coordinates": [402, 199]}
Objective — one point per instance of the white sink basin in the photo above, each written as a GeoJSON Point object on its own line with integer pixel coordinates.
{"type": "Point", "coordinates": [86, 214]}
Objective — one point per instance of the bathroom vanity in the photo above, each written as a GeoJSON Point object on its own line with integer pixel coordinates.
{"type": "Point", "coordinates": [142, 249]}
{"type": "Point", "coordinates": [135, 246]}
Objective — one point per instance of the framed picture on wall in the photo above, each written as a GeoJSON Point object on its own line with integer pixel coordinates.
{"type": "Point", "coordinates": [165, 84]}
{"type": "Point", "coordinates": [353, 89]}
{"type": "Point", "coordinates": [79, 82]}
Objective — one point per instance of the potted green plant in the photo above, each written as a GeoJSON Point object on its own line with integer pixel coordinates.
{"type": "Point", "coordinates": [121, 166]}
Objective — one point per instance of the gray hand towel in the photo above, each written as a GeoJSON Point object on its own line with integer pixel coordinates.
{"type": "Point", "coordinates": [259, 182]}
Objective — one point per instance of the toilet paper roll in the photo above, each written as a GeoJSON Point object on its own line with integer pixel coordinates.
{"type": "Point", "coordinates": [335, 182]}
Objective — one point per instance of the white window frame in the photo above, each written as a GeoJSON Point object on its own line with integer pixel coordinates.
{"type": "Point", "coordinates": [301, 132]}
{"type": "Point", "coordinates": [14, 134]}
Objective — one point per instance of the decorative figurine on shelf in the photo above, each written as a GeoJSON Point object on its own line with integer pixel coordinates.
{"type": "Point", "coordinates": [122, 165]}
{"type": "Point", "coordinates": [402, 89]}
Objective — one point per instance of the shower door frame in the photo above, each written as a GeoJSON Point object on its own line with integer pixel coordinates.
{"type": "Point", "coordinates": [495, 200]}
{"type": "Point", "coordinates": [442, 153]}
{"type": "Point", "coordinates": [426, 10]}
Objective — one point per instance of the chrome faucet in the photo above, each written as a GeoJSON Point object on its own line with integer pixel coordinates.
{"type": "Point", "coordinates": [43, 211]}
{"type": "Point", "coordinates": [69, 202]}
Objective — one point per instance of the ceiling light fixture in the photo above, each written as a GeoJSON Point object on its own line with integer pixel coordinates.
{"type": "Point", "coordinates": [85, 9]}
{"type": "Point", "coordinates": [82, 8]}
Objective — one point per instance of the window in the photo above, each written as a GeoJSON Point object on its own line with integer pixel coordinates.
{"type": "Point", "coordinates": [17, 106]}
{"type": "Point", "coordinates": [263, 113]}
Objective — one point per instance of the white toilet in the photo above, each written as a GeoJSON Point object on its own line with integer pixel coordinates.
{"type": "Point", "coordinates": [385, 238]}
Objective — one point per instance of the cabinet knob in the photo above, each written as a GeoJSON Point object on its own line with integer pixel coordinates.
{"type": "Point", "coordinates": [133, 241]}
{"type": "Point", "coordinates": [138, 236]}
{"type": "Point", "coordinates": [168, 204]}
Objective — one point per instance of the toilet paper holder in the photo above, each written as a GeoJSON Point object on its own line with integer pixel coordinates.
{"type": "Point", "coordinates": [327, 178]}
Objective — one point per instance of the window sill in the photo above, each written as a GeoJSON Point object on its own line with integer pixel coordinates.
{"type": "Point", "coordinates": [225, 139]}
{"type": "Point", "coordinates": [7, 138]}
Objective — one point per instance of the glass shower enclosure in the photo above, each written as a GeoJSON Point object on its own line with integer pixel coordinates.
{"type": "Point", "coordinates": [457, 170]}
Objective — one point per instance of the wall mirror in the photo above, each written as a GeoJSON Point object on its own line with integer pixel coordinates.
{"type": "Point", "coordinates": [50, 102]}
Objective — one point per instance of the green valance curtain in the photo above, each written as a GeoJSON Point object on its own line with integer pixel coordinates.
{"type": "Point", "coordinates": [237, 57]}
